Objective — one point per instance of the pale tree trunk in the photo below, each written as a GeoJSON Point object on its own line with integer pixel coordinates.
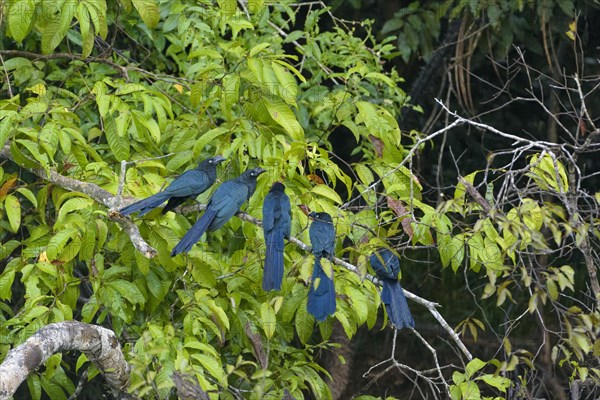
{"type": "Point", "coordinates": [99, 344]}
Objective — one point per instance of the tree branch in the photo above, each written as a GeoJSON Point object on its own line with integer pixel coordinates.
{"type": "Point", "coordinates": [107, 199]}
{"type": "Point", "coordinates": [100, 195]}
{"type": "Point", "coordinates": [99, 344]}
{"type": "Point", "coordinates": [429, 305]}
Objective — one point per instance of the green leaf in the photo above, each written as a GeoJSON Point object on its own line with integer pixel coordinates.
{"type": "Point", "coordinates": [73, 204]}
{"type": "Point", "coordinates": [327, 192]}
{"type": "Point", "coordinates": [552, 289]}
{"type": "Point", "coordinates": [452, 250]}
{"type": "Point", "coordinates": [288, 86]}
{"type": "Point", "coordinates": [148, 10]}
{"type": "Point", "coordinates": [208, 137]}
{"type": "Point", "coordinates": [35, 386]}
{"type": "Point", "coordinates": [228, 7]}
{"type": "Point", "coordinates": [304, 323]}
{"type": "Point", "coordinates": [255, 5]}
{"type": "Point", "coordinates": [219, 314]}
{"type": "Point", "coordinates": [28, 194]}
{"type": "Point", "coordinates": [57, 27]}
{"type": "Point", "coordinates": [128, 290]}
{"type": "Point", "coordinates": [97, 11]}
{"type": "Point", "coordinates": [364, 174]}
{"type": "Point", "coordinates": [118, 144]}
{"type": "Point", "coordinates": [58, 241]}
{"type": "Point", "coordinates": [498, 382]}
{"type": "Point", "coordinates": [268, 319]}
{"type": "Point", "coordinates": [20, 16]}
{"type": "Point", "coordinates": [87, 34]}
{"type": "Point", "coordinates": [283, 115]}
{"type": "Point", "coordinates": [6, 280]}
{"type": "Point", "coordinates": [473, 366]}
{"type": "Point", "coordinates": [213, 367]}
{"type": "Point", "coordinates": [258, 48]}
{"type": "Point", "coordinates": [12, 206]}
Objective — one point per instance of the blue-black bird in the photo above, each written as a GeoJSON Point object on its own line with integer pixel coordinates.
{"type": "Point", "coordinates": [321, 294]}
{"type": "Point", "coordinates": [387, 267]}
{"type": "Point", "coordinates": [188, 185]}
{"type": "Point", "coordinates": [277, 225]}
{"type": "Point", "coordinates": [224, 203]}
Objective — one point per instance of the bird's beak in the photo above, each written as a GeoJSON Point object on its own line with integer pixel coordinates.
{"type": "Point", "coordinates": [260, 170]}
{"type": "Point", "coordinates": [219, 159]}
{"type": "Point", "coordinates": [313, 215]}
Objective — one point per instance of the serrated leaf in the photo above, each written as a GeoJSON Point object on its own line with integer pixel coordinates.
{"type": "Point", "coordinates": [12, 206]}
{"type": "Point", "coordinates": [148, 10]}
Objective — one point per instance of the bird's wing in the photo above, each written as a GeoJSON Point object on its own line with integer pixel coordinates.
{"type": "Point", "coordinates": [286, 215]}
{"type": "Point", "coordinates": [383, 264]}
{"type": "Point", "coordinates": [226, 201]}
{"type": "Point", "coordinates": [322, 237]}
{"type": "Point", "coordinates": [192, 182]}
{"type": "Point", "coordinates": [269, 215]}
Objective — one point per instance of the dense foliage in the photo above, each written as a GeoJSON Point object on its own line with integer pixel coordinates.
{"type": "Point", "coordinates": [126, 95]}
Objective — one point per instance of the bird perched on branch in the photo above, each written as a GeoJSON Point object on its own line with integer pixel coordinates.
{"type": "Point", "coordinates": [321, 294]}
{"type": "Point", "coordinates": [188, 185]}
{"type": "Point", "coordinates": [277, 225]}
{"type": "Point", "coordinates": [387, 267]}
{"type": "Point", "coordinates": [223, 204]}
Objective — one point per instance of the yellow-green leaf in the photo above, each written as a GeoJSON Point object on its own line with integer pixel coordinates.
{"type": "Point", "coordinates": [148, 10]}
{"type": "Point", "coordinates": [326, 191]}
{"type": "Point", "coordinates": [20, 15]}
{"type": "Point", "coordinates": [283, 115]}
{"type": "Point", "coordinates": [12, 206]}
{"type": "Point", "coordinates": [269, 321]}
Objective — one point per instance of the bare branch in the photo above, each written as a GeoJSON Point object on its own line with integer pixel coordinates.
{"type": "Point", "coordinates": [430, 305]}
{"type": "Point", "coordinates": [100, 195]}
{"type": "Point", "coordinates": [99, 344]}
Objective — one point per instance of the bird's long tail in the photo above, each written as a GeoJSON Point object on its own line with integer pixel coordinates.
{"type": "Point", "coordinates": [396, 305]}
{"type": "Point", "coordinates": [194, 234]}
{"type": "Point", "coordinates": [145, 205]}
{"type": "Point", "coordinates": [321, 295]}
{"type": "Point", "coordinates": [273, 271]}
{"type": "Point", "coordinates": [172, 204]}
